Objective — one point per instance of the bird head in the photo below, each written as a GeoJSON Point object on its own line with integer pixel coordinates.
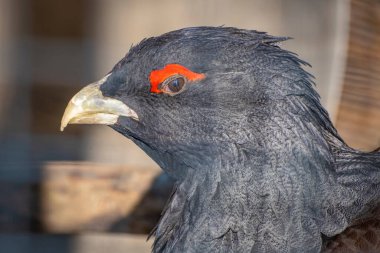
{"type": "Point", "coordinates": [185, 96]}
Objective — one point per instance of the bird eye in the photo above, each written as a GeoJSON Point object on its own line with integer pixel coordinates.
{"type": "Point", "coordinates": [173, 85]}
{"type": "Point", "coordinates": [176, 85]}
{"type": "Point", "coordinates": [172, 79]}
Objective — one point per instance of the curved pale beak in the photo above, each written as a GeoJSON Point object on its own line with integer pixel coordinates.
{"type": "Point", "coordinates": [89, 106]}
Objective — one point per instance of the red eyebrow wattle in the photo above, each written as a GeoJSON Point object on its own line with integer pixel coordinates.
{"type": "Point", "coordinates": [158, 76]}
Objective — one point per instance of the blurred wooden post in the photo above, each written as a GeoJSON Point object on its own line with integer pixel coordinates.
{"type": "Point", "coordinates": [77, 197]}
{"type": "Point", "coordinates": [359, 112]}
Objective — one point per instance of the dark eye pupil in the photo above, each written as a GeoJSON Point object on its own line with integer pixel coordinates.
{"type": "Point", "coordinates": [176, 85]}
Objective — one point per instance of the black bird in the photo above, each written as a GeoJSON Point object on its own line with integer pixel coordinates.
{"type": "Point", "coordinates": [234, 118]}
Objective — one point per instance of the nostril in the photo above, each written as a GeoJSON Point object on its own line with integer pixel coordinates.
{"type": "Point", "coordinates": [109, 88]}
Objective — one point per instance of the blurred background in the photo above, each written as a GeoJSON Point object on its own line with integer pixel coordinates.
{"type": "Point", "coordinates": [90, 190]}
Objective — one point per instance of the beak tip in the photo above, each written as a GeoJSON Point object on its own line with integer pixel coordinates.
{"type": "Point", "coordinates": [63, 126]}
{"type": "Point", "coordinates": [65, 119]}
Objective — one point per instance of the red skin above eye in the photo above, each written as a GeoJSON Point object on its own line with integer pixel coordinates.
{"type": "Point", "coordinates": [160, 75]}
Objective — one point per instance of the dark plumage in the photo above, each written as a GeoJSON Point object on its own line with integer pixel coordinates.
{"type": "Point", "coordinates": [258, 164]}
